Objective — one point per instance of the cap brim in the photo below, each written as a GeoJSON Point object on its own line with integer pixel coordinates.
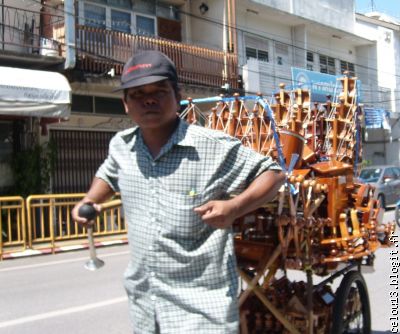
{"type": "Point", "coordinates": [140, 82]}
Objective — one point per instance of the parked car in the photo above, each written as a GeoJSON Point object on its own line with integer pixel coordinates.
{"type": "Point", "coordinates": [397, 213]}
{"type": "Point", "coordinates": [386, 180]}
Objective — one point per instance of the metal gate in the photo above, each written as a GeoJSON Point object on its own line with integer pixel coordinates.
{"type": "Point", "coordinates": [78, 155]}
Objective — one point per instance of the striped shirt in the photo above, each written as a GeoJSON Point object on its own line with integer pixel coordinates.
{"type": "Point", "coordinates": [182, 274]}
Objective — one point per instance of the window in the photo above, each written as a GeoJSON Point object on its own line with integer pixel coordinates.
{"type": "Point", "coordinates": [331, 65]}
{"type": "Point", "coordinates": [97, 105]}
{"type": "Point", "coordinates": [106, 105]}
{"type": "Point", "coordinates": [389, 174]}
{"type": "Point", "coordinates": [145, 25]}
{"type": "Point", "coordinates": [392, 173]}
{"type": "Point", "coordinates": [121, 21]}
{"type": "Point", "coordinates": [82, 103]}
{"type": "Point", "coordinates": [256, 48]}
{"type": "Point", "coordinates": [95, 16]}
{"type": "Point", "coordinates": [323, 64]}
{"type": "Point", "coordinates": [347, 66]}
{"type": "Point", "coordinates": [256, 54]}
{"type": "Point", "coordinates": [169, 29]}
{"type": "Point", "coordinates": [310, 61]}
{"type": "Point", "coordinates": [251, 53]}
{"type": "Point", "coordinates": [327, 65]}
{"type": "Point", "coordinates": [370, 174]}
{"type": "Point", "coordinates": [262, 55]}
{"type": "Point", "coordinates": [118, 15]}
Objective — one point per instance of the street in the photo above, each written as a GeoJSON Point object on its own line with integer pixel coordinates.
{"type": "Point", "coordinates": [55, 294]}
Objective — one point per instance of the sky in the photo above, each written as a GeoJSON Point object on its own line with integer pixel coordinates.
{"type": "Point", "coordinates": [389, 7]}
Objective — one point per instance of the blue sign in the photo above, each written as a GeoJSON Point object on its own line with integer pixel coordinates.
{"type": "Point", "coordinates": [376, 118]}
{"type": "Point", "coordinates": [319, 84]}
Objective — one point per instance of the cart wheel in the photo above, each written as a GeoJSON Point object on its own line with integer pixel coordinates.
{"type": "Point", "coordinates": [351, 310]}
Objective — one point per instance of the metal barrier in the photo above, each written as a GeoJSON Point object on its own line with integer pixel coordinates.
{"type": "Point", "coordinates": [49, 221]}
{"type": "Point", "coordinates": [12, 224]}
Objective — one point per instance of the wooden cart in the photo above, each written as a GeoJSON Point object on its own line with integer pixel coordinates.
{"type": "Point", "coordinates": [322, 222]}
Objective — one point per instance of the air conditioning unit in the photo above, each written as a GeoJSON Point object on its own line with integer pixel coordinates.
{"type": "Point", "coordinates": [48, 47]}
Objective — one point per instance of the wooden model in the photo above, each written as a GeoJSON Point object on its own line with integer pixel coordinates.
{"type": "Point", "coordinates": [322, 222]}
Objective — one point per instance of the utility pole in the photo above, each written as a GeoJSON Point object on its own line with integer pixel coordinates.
{"type": "Point", "coordinates": [372, 6]}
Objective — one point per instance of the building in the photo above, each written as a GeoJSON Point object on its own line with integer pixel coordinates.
{"type": "Point", "coordinates": [327, 37]}
{"type": "Point", "coordinates": [88, 42]}
{"type": "Point", "coordinates": [382, 142]}
{"type": "Point", "coordinates": [218, 46]}
{"type": "Point", "coordinates": [32, 94]}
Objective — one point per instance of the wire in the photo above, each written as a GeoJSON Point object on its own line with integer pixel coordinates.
{"type": "Point", "coordinates": [261, 35]}
{"type": "Point", "coordinates": [271, 80]}
{"type": "Point", "coordinates": [241, 29]}
{"type": "Point", "coordinates": [274, 77]}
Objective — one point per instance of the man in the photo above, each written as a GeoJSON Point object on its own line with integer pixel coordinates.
{"type": "Point", "coordinates": [176, 183]}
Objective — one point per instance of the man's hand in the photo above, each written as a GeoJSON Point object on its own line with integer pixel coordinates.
{"type": "Point", "coordinates": [81, 220]}
{"type": "Point", "coordinates": [218, 214]}
{"type": "Point", "coordinates": [99, 192]}
{"type": "Point", "coordinates": [221, 214]}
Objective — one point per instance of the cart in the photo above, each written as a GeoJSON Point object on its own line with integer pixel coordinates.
{"type": "Point", "coordinates": [322, 222]}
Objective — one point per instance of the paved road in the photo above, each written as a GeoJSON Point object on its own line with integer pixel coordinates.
{"type": "Point", "coordinates": [55, 294]}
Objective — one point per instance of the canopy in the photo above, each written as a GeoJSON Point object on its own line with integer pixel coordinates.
{"type": "Point", "coordinates": [34, 93]}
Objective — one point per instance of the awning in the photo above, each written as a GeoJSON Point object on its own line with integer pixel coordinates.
{"type": "Point", "coordinates": [34, 93]}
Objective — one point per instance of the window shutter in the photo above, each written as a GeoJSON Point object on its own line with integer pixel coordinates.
{"type": "Point", "coordinates": [169, 29]}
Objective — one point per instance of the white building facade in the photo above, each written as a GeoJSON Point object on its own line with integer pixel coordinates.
{"type": "Point", "coordinates": [270, 37]}
{"type": "Point", "coordinates": [380, 70]}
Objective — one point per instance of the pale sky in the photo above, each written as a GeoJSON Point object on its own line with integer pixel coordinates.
{"type": "Point", "coordinates": [389, 7]}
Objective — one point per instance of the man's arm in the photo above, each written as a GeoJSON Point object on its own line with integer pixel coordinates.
{"type": "Point", "coordinates": [221, 214]}
{"type": "Point", "coordinates": [99, 192]}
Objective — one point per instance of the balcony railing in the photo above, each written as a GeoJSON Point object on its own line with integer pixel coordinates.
{"type": "Point", "coordinates": [24, 31]}
{"type": "Point", "coordinates": [99, 50]}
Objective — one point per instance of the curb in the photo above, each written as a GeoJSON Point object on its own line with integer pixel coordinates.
{"type": "Point", "coordinates": [70, 248]}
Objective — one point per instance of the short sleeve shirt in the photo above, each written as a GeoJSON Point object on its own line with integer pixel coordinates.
{"type": "Point", "coordinates": [182, 274]}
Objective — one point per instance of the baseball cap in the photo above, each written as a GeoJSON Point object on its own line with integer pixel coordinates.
{"type": "Point", "coordinates": [147, 67]}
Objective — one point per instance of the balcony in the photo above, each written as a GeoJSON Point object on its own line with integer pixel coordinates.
{"type": "Point", "coordinates": [29, 37]}
{"type": "Point", "coordinates": [99, 50]}
{"type": "Point", "coordinates": [39, 36]}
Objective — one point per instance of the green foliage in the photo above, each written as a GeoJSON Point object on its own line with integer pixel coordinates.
{"type": "Point", "coordinates": [32, 169]}
{"type": "Point", "coordinates": [366, 163]}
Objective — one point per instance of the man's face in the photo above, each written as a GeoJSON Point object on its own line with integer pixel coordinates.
{"type": "Point", "coordinates": [152, 106]}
